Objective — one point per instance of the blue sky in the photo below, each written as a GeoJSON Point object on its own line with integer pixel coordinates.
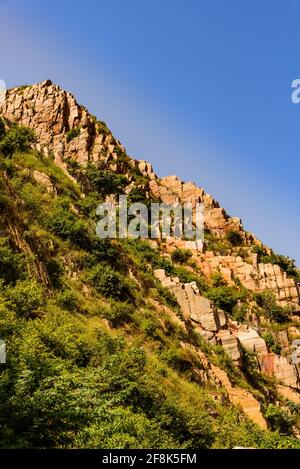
{"type": "Point", "coordinates": [200, 88]}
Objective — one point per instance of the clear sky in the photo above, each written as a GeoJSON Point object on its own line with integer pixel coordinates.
{"type": "Point", "coordinates": [201, 88]}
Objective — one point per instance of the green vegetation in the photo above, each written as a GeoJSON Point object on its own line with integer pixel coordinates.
{"type": "Point", "coordinates": [181, 255]}
{"type": "Point", "coordinates": [279, 419]}
{"type": "Point", "coordinates": [267, 302]}
{"type": "Point", "coordinates": [96, 355]}
{"type": "Point", "coordinates": [104, 181]}
{"type": "Point", "coordinates": [72, 133]}
{"type": "Point", "coordinates": [225, 297]}
{"type": "Point", "coordinates": [284, 262]}
{"type": "Point", "coordinates": [271, 342]}
{"type": "Point", "coordinates": [234, 237]}
{"type": "Point", "coordinates": [18, 139]}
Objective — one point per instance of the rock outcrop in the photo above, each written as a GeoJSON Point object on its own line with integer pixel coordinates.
{"type": "Point", "coordinates": [255, 277]}
{"type": "Point", "coordinates": [63, 127]}
{"type": "Point", "coordinates": [215, 326]}
{"type": "Point", "coordinates": [209, 321]}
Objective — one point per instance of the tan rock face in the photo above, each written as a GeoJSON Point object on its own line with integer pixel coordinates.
{"type": "Point", "coordinates": [242, 398]}
{"type": "Point", "coordinates": [44, 180]}
{"type": "Point", "coordinates": [216, 327]}
{"type": "Point", "coordinates": [210, 322]}
{"type": "Point", "coordinates": [252, 341]}
{"type": "Point", "coordinates": [278, 366]}
{"type": "Point", "coordinates": [230, 344]}
{"type": "Point", "coordinates": [255, 277]}
{"type": "Point", "coordinates": [63, 127]}
{"type": "Point", "coordinates": [194, 306]}
{"type": "Point", "coordinates": [172, 190]}
{"type": "Point", "coordinates": [68, 131]}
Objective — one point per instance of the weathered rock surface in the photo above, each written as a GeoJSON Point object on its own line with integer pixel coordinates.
{"type": "Point", "coordinates": [45, 181]}
{"type": "Point", "coordinates": [63, 127]}
{"type": "Point", "coordinates": [230, 344]}
{"type": "Point", "coordinates": [251, 340]}
{"type": "Point", "coordinates": [194, 306]}
{"type": "Point", "coordinates": [278, 366]}
{"type": "Point", "coordinates": [254, 277]}
{"type": "Point", "coordinates": [242, 398]}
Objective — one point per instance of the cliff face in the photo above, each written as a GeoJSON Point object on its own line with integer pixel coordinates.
{"type": "Point", "coordinates": [232, 260]}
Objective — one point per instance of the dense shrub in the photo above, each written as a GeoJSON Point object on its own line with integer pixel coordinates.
{"type": "Point", "coordinates": [181, 255]}
{"type": "Point", "coordinates": [68, 226]}
{"type": "Point", "coordinates": [25, 298]}
{"type": "Point", "coordinates": [167, 296]}
{"type": "Point", "coordinates": [12, 263]}
{"type": "Point", "coordinates": [119, 313]}
{"type": "Point", "coordinates": [72, 133]}
{"type": "Point", "coordinates": [177, 358]}
{"type": "Point", "coordinates": [105, 181]}
{"type": "Point", "coordinates": [137, 195]}
{"type": "Point", "coordinates": [267, 301]}
{"type": "Point", "coordinates": [2, 129]}
{"type": "Point", "coordinates": [234, 237]}
{"type": "Point", "coordinates": [225, 297]}
{"type": "Point", "coordinates": [284, 262]}
{"type": "Point", "coordinates": [18, 138]}
{"type": "Point", "coordinates": [279, 419]}
{"type": "Point", "coordinates": [66, 300]}
{"type": "Point", "coordinates": [110, 283]}
{"type": "Point", "coordinates": [271, 342]}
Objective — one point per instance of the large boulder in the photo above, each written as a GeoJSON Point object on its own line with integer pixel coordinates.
{"type": "Point", "coordinates": [252, 341]}
{"type": "Point", "coordinates": [278, 366]}
{"type": "Point", "coordinates": [230, 344]}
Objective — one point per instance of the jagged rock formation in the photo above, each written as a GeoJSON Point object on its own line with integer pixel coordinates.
{"type": "Point", "coordinates": [256, 276]}
{"type": "Point", "coordinates": [172, 190]}
{"type": "Point", "coordinates": [64, 129]}
{"type": "Point", "coordinates": [216, 327]}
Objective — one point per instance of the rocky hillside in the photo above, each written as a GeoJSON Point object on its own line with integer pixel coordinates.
{"type": "Point", "coordinates": [131, 343]}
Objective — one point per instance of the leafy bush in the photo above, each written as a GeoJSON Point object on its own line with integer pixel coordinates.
{"type": "Point", "coordinates": [26, 298]}
{"type": "Point", "coordinates": [271, 342]}
{"type": "Point", "coordinates": [167, 296]}
{"type": "Point", "coordinates": [55, 271]}
{"type": "Point", "coordinates": [17, 139]}
{"type": "Point", "coordinates": [103, 250]}
{"type": "Point", "coordinates": [177, 358]}
{"type": "Point", "coordinates": [72, 133]}
{"type": "Point", "coordinates": [67, 225]}
{"type": "Point", "coordinates": [110, 283]}
{"type": "Point", "coordinates": [2, 129]}
{"type": "Point", "coordinates": [12, 263]}
{"type": "Point", "coordinates": [119, 313]}
{"type": "Point", "coordinates": [267, 301]}
{"type": "Point", "coordinates": [66, 300]}
{"type": "Point", "coordinates": [234, 237]}
{"type": "Point", "coordinates": [217, 280]}
{"type": "Point", "coordinates": [105, 181]}
{"type": "Point", "coordinates": [225, 297]}
{"type": "Point", "coordinates": [279, 419]}
{"type": "Point", "coordinates": [284, 262]}
{"type": "Point", "coordinates": [181, 255]}
{"type": "Point", "coordinates": [137, 195]}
